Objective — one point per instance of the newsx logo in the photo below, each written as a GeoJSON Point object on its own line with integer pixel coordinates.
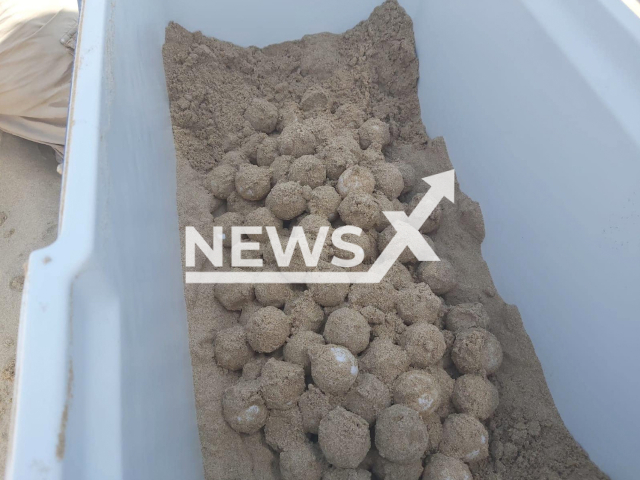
{"type": "Point", "coordinates": [407, 236]}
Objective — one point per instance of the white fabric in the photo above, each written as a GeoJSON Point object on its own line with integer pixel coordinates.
{"type": "Point", "coordinates": [37, 42]}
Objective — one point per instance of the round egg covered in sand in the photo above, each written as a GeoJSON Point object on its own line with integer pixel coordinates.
{"type": "Point", "coordinates": [385, 360]}
{"type": "Point", "coordinates": [262, 217]}
{"type": "Point", "coordinates": [273, 294]}
{"type": "Point", "coordinates": [297, 140]}
{"type": "Point", "coordinates": [268, 329]}
{"type": "Point", "coordinates": [243, 407]}
{"type": "Point", "coordinates": [324, 201]}
{"type": "Point", "coordinates": [399, 276]}
{"type": "Point", "coordinates": [333, 368]}
{"type": "Point", "coordinates": [425, 344]}
{"type": "Point", "coordinates": [280, 168]}
{"type": "Point", "coordinates": [388, 179]}
{"type": "Point", "coordinates": [440, 276]}
{"type": "Point", "coordinates": [312, 224]}
{"type": "Point", "coordinates": [281, 384]}
{"type": "Point", "coordinates": [446, 389]}
{"type": "Point", "coordinates": [476, 350]}
{"type": "Point", "coordinates": [350, 115]}
{"type": "Point", "coordinates": [467, 315]}
{"type": "Point", "coordinates": [356, 179]}
{"type": "Point", "coordinates": [233, 297]}
{"type": "Point", "coordinates": [304, 312]}
{"type": "Point", "coordinates": [339, 154]}
{"type": "Point", "coordinates": [401, 435]}
{"type": "Point", "coordinates": [475, 395]}
{"type": "Point", "coordinates": [253, 368]}
{"type": "Point", "coordinates": [383, 468]}
{"type": "Point", "coordinates": [303, 462]}
{"type": "Point", "coordinates": [374, 316]}
{"type": "Point", "coordinates": [372, 156]}
{"type": "Point", "coordinates": [262, 115]}
{"type": "Point", "coordinates": [380, 295]}
{"type": "Point", "coordinates": [290, 113]}
{"type": "Point", "coordinates": [214, 206]}
{"type": "Point", "coordinates": [418, 390]}
{"type": "Point", "coordinates": [283, 429]}
{"type": "Point", "coordinates": [441, 467]}
{"type": "Point", "coordinates": [347, 327]}
{"type": "Point", "coordinates": [222, 181]}
{"type": "Point", "coordinates": [385, 205]}
{"type": "Point", "coordinates": [314, 405]}
{"type": "Point", "coordinates": [417, 303]}
{"type": "Point", "coordinates": [286, 200]}
{"type": "Point", "coordinates": [234, 158]}
{"type": "Point", "coordinates": [367, 397]}
{"type": "Point", "coordinates": [231, 349]}
{"type": "Point", "coordinates": [315, 98]}
{"type": "Point", "coordinates": [308, 170]}
{"type": "Point", "coordinates": [374, 131]}
{"type": "Point", "coordinates": [389, 329]}
{"type": "Point", "coordinates": [250, 145]}
{"type": "Point", "coordinates": [344, 438]}
{"type": "Point", "coordinates": [296, 349]}
{"type": "Point", "coordinates": [252, 182]}
{"type": "Point", "coordinates": [465, 438]}
{"type": "Point", "coordinates": [267, 152]}
{"type": "Point", "coordinates": [346, 474]}
{"type": "Point", "coordinates": [360, 210]}
{"type": "Point", "coordinates": [409, 176]}
{"type": "Point", "coordinates": [328, 294]}
{"type": "Point", "coordinates": [322, 128]}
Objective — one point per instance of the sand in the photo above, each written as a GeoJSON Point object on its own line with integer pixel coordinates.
{"type": "Point", "coordinates": [234, 106]}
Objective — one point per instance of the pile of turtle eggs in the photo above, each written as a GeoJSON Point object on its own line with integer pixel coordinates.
{"type": "Point", "coordinates": [346, 381]}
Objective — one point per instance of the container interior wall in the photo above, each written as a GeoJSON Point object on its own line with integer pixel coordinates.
{"type": "Point", "coordinates": [138, 248]}
{"type": "Point", "coordinates": [132, 415]}
{"type": "Point", "coordinates": [260, 23]}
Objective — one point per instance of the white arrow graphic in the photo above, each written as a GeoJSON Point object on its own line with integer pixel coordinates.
{"type": "Point", "coordinates": [407, 236]}
{"type": "Point", "coordinates": [442, 185]}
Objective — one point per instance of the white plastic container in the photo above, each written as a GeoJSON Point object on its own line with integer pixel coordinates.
{"type": "Point", "coordinates": [539, 102]}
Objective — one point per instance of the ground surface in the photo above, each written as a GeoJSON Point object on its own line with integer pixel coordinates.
{"type": "Point", "coordinates": [29, 198]}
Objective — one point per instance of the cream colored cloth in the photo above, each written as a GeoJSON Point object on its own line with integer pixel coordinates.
{"type": "Point", "coordinates": [37, 43]}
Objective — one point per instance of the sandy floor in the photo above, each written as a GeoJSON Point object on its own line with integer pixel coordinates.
{"type": "Point", "coordinates": [29, 198]}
